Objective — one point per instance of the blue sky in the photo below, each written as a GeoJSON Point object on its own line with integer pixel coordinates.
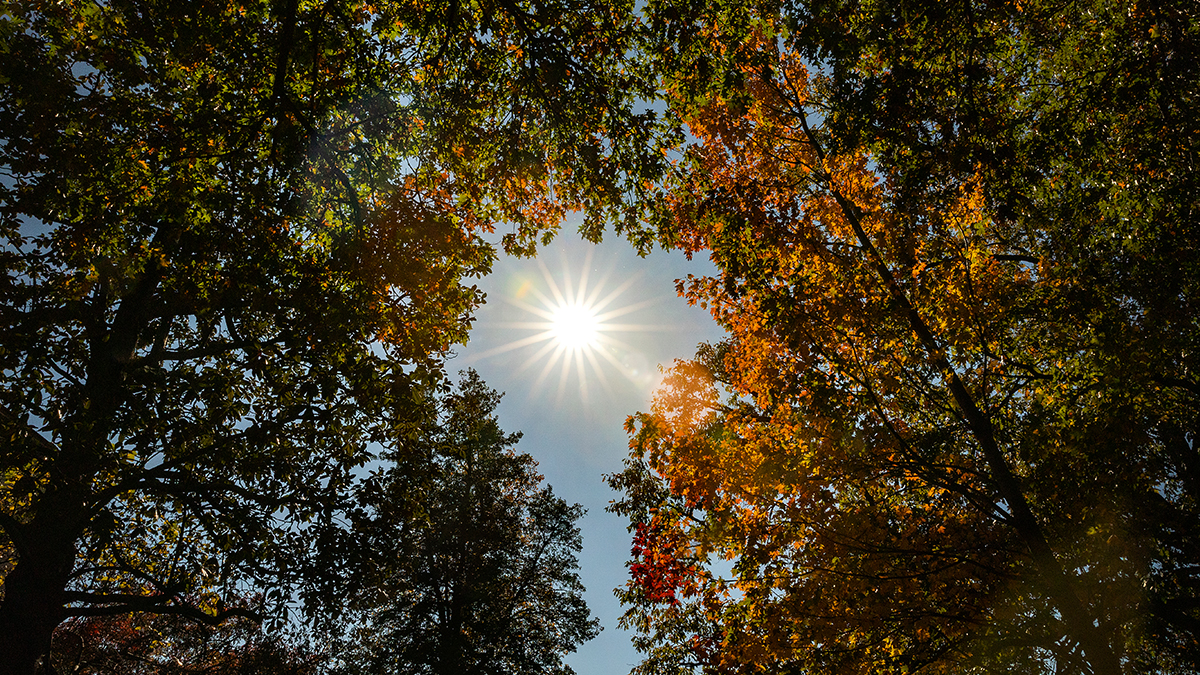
{"type": "Point", "coordinates": [573, 426]}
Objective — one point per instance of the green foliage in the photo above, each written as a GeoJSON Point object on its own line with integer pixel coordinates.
{"type": "Point", "coordinates": [237, 238]}
{"type": "Point", "coordinates": [466, 563]}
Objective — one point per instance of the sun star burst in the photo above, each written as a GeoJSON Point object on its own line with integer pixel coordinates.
{"type": "Point", "coordinates": [573, 320]}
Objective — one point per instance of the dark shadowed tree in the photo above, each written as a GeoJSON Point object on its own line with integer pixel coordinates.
{"type": "Point", "coordinates": [468, 563]}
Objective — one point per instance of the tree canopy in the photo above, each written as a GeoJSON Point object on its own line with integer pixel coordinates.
{"type": "Point", "coordinates": [237, 239]}
{"type": "Point", "coordinates": [953, 425]}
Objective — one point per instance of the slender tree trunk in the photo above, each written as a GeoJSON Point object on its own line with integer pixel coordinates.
{"type": "Point", "coordinates": [1075, 615]}
{"type": "Point", "coordinates": [1101, 656]}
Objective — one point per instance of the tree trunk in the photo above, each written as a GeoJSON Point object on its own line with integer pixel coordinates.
{"type": "Point", "coordinates": [1101, 656]}
{"type": "Point", "coordinates": [33, 604]}
{"type": "Point", "coordinates": [34, 591]}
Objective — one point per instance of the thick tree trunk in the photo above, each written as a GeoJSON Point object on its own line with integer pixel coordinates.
{"type": "Point", "coordinates": [34, 601]}
{"type": "Point", "coordinates": [35, 590]}
{"type": "Point", "coordinates": [33, 604]}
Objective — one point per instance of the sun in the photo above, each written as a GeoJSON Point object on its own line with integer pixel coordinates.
{"type": "Point", "coordinates": [575, 321]}
{"type": "Point", "coordinates": [575, 326]}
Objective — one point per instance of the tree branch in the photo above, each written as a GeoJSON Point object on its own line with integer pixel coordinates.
{"type": "Point", "coordinates": [109, 604]}
{"type": "Point", "coordinates": [33, 436]}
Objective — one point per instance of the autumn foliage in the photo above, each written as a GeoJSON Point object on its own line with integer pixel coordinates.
{"type": "Point", "coordinates": [922, 444]}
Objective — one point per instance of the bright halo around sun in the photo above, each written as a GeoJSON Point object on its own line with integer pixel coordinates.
{"type": "Point", "coordinates": [576, 320]}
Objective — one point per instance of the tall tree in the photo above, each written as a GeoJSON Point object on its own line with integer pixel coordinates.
{"type": "Point", "coordinates": [235, 240]}
{"type": "Point", "coordinates": [953, 426]}
{"type": "Point", "coordinates": [469, 563]}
